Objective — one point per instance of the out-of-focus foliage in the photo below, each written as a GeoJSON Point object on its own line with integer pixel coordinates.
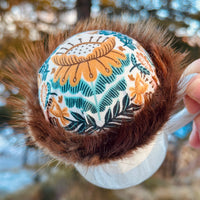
{"type": "Point", "coordinates": [176, 13]}
{"type": "Point", "coordinates": [30, 19]}
{"type": "Point", "coordinates": [67, 184]}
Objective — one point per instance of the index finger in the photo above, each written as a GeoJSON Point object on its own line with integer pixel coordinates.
{"type": "Point", "coordinates": [194, 67]}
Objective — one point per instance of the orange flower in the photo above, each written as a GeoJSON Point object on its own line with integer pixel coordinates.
{"type": "Point", "coordinates": [57, 112]}
{"type": "Point", "coordinates": [72, 66]}
{"type": "Point", "coordinates": [139, 90]}
{"type": "Point", "coordinates": [144, 61]}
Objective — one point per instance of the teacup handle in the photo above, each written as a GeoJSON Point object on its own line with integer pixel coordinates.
{"type": "Point", "coordinates": [183, 117]}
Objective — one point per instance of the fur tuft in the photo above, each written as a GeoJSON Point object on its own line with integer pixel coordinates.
{"type": "Point", "coordinates": [115, 143]}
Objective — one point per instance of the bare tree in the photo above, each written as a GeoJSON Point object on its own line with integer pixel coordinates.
{"type": "Point", "coordinates": [83, 8]}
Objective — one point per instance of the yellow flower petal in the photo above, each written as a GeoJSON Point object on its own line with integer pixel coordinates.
{"type": "Point", "coordinates": [65, 112]}
{"type": "Point", "coordinates": [89, 72]}
{"type": "Point", "coordinates": [72, 66]}
{"type": "Point", "coordinates": [64, 121]}
{"type": "Point", "coordinates": [55, 108]}
{"type": "Point", "coordinates": [59, 72]}
{"type": "Point", "coordinates": [104, 49]}
{"type": "Point", "coordinates": [102, 66]}
{"type": "Point", "coordinates": [138, 99]}
{"type": "Point", "coordinates": [64, 74]}
{"type": "Point", "coordinates": [117, 54]}
{"type": "Point", "coordinates": [75, 73]}
{"type": "Point", "coordinates": [111, 60]}
{"type": "Point", "coordinates": [65, 60]}
{"type": "Point", "coordinates": [57, 112]}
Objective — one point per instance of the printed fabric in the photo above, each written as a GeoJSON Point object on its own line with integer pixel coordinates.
{"type": "Point", "coordinates": [95, 80]}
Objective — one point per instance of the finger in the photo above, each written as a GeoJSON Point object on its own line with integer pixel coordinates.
{"type": "Point", "coordinates": [191, 105]}
{"type": "Point", "coordinates": [193, 88]}
{"type": "Point", "coordinates": [194, 137]}
{"type": "Point", "coordinates": [194, 67]}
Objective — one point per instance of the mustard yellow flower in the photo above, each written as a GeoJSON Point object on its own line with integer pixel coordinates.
{"type": "Point", "coordinates": [138, 92]}
{"type": "Point", "coordinates": [58, 112]}
{"type": "Point", "coordinates": [73, 66]}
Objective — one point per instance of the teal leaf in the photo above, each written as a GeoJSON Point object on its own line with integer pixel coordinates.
{"type": "Point", "coordinates": [108, 116]}
{"type": "Point", "coordinates": [133, 60]}
{"type": "Point", "coordinates": [102, 80]}
{"type": "Point", "coordinates": [48, 87]}
{"type": "Point", "coordinates": [138, 65]}
{"type": "Point", "coordinates": [116, 109]}
{"type": "Point", "coordinates": [143, 70]}
{"type": "Point", "coordinates": [80, 103]}
{"type": "Point", "coordinates": [123, 38]}
{"type": "Point", "coordinates": [44, 70]}
{"type": "Point", "coordinates": [111, 94]}
{"type": "Point", "coordinates": [131, 46]}
{"type": "Point", "coordinates": [125, 62]}
{"type": "Point", "coordinates": [82, 87]}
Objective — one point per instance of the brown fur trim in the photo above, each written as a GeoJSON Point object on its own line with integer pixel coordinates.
{"type": "Point", "coordinates": [117, 142]}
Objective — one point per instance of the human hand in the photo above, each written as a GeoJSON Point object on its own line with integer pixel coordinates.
{"type": "Point", "coordinates": [192, 101]}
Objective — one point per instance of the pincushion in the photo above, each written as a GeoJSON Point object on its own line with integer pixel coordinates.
{"type": "Point", "coordinates": [100, 95]}
{"type": "Point", "coordinates": [94, 81]}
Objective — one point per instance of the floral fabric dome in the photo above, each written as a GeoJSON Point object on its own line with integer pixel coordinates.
{"type": "Point", "coordinates": [95, 80]}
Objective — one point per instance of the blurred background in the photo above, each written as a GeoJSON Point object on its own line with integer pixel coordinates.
{"type": "Point", "coordinates": [25, 172]}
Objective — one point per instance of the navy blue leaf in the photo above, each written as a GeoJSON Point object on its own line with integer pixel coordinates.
{"type": "Point", "coordinates": [116, 109]}
{"type": "Point", "coordinates": [77, 116]}
{"type": "Point", "coordinates": [91, 129]}
{"type": "Point", "coordinates": [72, 126]}
{"type": "Point", "coordinates": [91, 120]}
{"type": "Point", "coordinates": [125, 102]}
{"type": "Point", "coordinates": [82, 128]}
{"type": "Point", "coordinates": [111, 125]}
{"type": "Point", "coordinates": [135, 107]}
{"type": "Point", "coordinates": [128, 113]}
{"type": "Point", "coordinates": [108, 116]}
